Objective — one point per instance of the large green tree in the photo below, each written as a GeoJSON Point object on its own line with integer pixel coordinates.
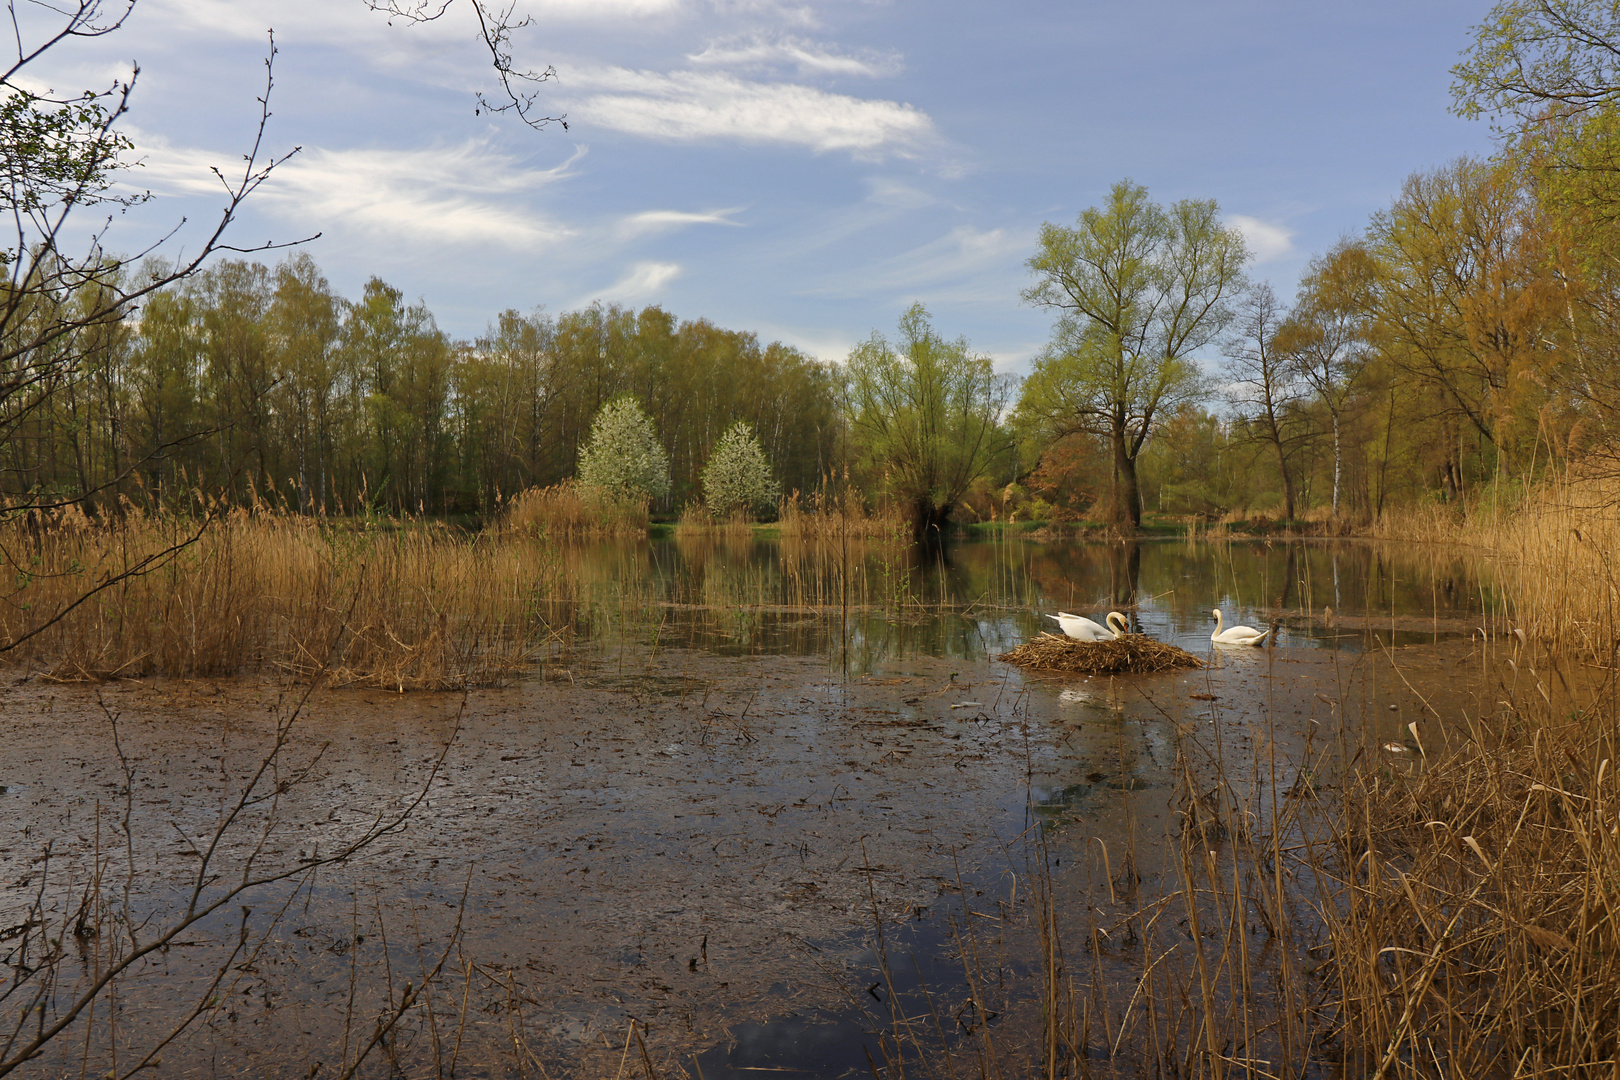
{"type": "Point", "coordinates": [1138, 289]}
{"type": "Point", "coordinates": [925, 417]}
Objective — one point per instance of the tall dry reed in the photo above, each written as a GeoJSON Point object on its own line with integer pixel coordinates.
{"type": "Point", "coordinates": [412, 606]}
{"type": "Point", "coordinates": [568, 510]}
{"type": "Point", "coordinates": [1475, 930]}
{"type": "Point", "coordinates": [695, 520]}
{"type": "Point", "coordinates": [825, 516]}
{"type": "Point", "coordinates": [1554, 548]}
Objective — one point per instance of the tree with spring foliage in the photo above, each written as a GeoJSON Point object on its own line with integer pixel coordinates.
{"type": "Point", "coordinates": [1327, 338]}
{"type": "Point", "coordinates": [925, 416]}
{"type": "Point", "coordinates": [623, 458]}
{"type": "Point", "coordinates": [1138, 289]}
{"type": "Point", "coordinates": [737, 478]}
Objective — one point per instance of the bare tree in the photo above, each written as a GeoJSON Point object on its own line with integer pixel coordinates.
{"type": "Point", "coordinates": [1264, 385]}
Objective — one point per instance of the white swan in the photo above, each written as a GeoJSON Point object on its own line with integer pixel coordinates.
{"type": "Point", "coordinates": [1237, 635]}
{"type": "Point", "coordinates": [1083, 629]}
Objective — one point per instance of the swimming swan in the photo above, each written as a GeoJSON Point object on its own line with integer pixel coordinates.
{"type": "Point", "coordinates": [1083, 629]}
{"type": "Point", "coordinates": [1237, 635]}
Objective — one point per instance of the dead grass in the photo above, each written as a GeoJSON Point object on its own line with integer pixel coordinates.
{"type": "Point", "coordinates": [1129, 654]}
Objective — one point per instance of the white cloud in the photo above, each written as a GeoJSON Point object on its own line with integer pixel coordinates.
{"type": "Point", "coordinates": [1266, 240]}
{"type": "Point", "coordinates": [642, 281]}
{"type": "Point", "coordinates": [810, 58]}
{"type": "Point", "coordinates": [461, 195]}
{"type": "Point", "coordinates": [690, 106]}
{"type": "Point", "coordinates": [657, 221]}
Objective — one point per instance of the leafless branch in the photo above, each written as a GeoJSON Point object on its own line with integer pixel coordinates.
{"type": "Point", "coordinates": [519, 86]}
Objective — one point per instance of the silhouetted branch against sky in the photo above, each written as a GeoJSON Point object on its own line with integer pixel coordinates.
{"type": "Point", "coordinates": [519, 85]}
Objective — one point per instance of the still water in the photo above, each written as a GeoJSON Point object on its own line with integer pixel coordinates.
{"type": "Point", "coordinates": [871, 603]}
{"type": "Point", "coordinates": [764, 800]}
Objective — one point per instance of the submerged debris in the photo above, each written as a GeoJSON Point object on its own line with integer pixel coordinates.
{"type": "Point", "coordinates": [1130, 654]}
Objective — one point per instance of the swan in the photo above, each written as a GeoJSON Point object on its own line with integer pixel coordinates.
{"type": "Point", "coordinates": [1237, 635]}
{"type": "Point", "coordinates": [1083, 629]}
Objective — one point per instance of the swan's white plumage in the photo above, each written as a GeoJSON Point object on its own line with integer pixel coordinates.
{"type": "Point", "coordinates": [1081, 628]}
{"type": "Point", "coordinates": [1235, 635]}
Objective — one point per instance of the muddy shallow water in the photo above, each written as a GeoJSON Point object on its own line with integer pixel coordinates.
{"type": "Point", "coordinates": [721, 843]}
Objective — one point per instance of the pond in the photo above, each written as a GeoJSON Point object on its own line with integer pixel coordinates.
{"type": "Point", "coordinates": [780, 807]}
{"type": "Point", "coordinates": [867, 604]}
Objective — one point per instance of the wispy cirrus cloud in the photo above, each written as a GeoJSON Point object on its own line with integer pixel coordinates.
{"type": "Point", "coordinates": [1266, 241]}
{"type": "Point", "coordinates": [648, 222]}
{"type": "Point", "coordinates": [464, 194]}
{"type": "Point", "coordinates": [760, 51]}
{"type": "Point", "coordinates": [643, 281]}
{"type": "Point", "coordinates": [687, 106]}
{"type": "Point", "coordinates": [958, 261]}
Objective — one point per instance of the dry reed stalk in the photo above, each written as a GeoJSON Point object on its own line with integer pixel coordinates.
{"type": "Point", "coordinates": [418, 606]}
{"type": "Point", "coordinates": [695, 520]}
{"type": "Point", "coordinates": [828, 517]}
{"type": "Point", "coordinates": [568, 510]}
{"type": "Point", "coordinates": [1479, 928]}
{"type": "Point", "coordinates": [1552, 548]}
{"type": "Point", "coordinates": [1128, 654]}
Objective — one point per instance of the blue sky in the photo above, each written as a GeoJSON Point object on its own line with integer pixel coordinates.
{"type": "Point", "coordinates": [803, 170]}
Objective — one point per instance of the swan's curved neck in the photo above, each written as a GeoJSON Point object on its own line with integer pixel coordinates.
{"type": "Point", "coordinates": [1219, 625]}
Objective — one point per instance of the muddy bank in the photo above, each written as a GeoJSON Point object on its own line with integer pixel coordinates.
{"type": "Point", "coordinates": [697, 842]}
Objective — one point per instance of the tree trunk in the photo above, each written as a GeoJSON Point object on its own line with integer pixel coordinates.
{"type": "Point", "coordinates": [1127, 502]}
{"type": "Point", "coordinates": [1288, 481]}
{"type": "Point", "coordinates": [928, 522]}
{"type": "Point", "coordinates": [1338, 464]}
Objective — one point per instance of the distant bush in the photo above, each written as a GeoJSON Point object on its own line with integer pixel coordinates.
{"type": "Point", "coordinates": [737, 478]}
{"type": "Point", "coordinates": [623, 458]}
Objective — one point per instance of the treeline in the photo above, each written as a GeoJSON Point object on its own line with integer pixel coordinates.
{"type": "Point", "coordinates": [1466, 336]}
{"type": "Point", "coordinates": [262, 381]}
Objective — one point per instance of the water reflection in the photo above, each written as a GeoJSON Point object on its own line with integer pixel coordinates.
{"type": "Point", "coordinates": [867, 603]}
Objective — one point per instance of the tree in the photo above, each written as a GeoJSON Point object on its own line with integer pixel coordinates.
{"type": "Point", "coordinates": [737, 478]}
{"type": "Point", "coordinates": [1465, 301]}
{"type": "Point", "coordinates": [925, 417]}
{"type": "Point", "coordinates": [302, 323]}
{"type": "Point", "coordinates": [1263, 385]}
{"type": "Point", "coordinates": [623, 458]}
{"type": "Point", "coordinates": [1326, 339]}
{"type": "Point", "coordinates": [1138, 290]}
{"type": "Point", "coordinates": [1541, 60]}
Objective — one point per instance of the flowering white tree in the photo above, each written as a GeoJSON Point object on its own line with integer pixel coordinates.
{"type": "Point", "coordinates": [738, 476]}
{"type": "Point", "coordinates": [623, 458]}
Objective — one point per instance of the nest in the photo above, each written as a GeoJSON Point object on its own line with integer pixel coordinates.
{"type": "Point", "coordinates": [1131, 654]}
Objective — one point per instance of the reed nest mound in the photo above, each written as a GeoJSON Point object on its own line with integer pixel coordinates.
{"type": "Point", "coordinates": [1131, 654]}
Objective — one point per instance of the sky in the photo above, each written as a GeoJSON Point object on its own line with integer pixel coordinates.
{"type": "Point", "coordinates": [803, 170]}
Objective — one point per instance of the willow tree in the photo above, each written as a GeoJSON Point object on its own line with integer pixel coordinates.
{"type": "Point", "coordinates": [1138, 289]}
{"type": "Point", "coordinates": [925, 417]}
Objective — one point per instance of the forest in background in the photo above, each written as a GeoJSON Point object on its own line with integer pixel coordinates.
{"type": "Point", "coordinates": [1464, 337]}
